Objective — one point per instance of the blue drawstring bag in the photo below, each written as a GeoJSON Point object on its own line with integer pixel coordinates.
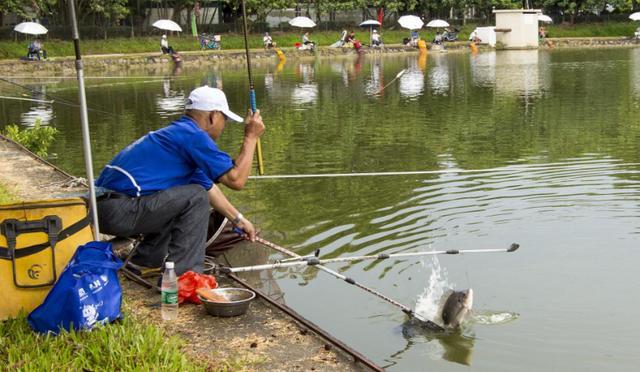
{"type": "Point", "coordinates": [87, 293]}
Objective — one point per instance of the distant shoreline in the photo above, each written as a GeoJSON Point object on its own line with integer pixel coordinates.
{"type": "Point", "coordinates": [110, 62]}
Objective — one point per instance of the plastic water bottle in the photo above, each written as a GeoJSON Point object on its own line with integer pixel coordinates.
{"type": "Point", "coordinates": [169, 292]}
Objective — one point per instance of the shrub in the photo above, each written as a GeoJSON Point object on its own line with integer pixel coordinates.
{"type": "Point", "coordinates": [36, 139]}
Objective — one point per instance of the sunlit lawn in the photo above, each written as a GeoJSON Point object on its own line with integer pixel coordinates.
{"type": "Point", "coordinates": [126, 345]}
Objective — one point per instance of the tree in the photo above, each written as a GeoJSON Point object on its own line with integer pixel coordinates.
{"type": "Point", "coordinates": [573, 8]}
{"type": "Point", "coordinates": [12, 6]}
{"type": "Point", "coordinates": [109, 11]}
{"type": "Point", "coordinates": [330, 7]}
{"type": "Point", "coordinates": [262, 8]}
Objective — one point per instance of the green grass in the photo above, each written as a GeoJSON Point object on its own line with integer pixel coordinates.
{"type": "Point", "coordinates": [5, 196]}
{"type": "Point", "coordinates": [592, 29]}
{"type": "Point", "coordinates": [127, 345]}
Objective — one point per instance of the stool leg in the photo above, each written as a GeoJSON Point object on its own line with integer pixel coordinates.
{"type": "Point", "coordinates": [130, 274]}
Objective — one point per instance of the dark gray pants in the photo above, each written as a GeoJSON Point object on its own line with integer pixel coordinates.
{"type": "Point", "coordinates": [173, 221]}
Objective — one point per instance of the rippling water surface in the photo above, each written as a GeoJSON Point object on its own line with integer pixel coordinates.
{"type": "Point", "coordinates": [478, 151]}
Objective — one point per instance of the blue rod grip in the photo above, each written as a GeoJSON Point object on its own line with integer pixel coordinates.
{"type": "Point", "coordinates": [252, 100]}
{"type": "Point", "coordinates": [239, 231]}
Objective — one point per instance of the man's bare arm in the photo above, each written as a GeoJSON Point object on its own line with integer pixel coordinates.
{"type": "Point", "coordinates": [220, 203]}
{"type": "Point", "coordinates": [237, 177]}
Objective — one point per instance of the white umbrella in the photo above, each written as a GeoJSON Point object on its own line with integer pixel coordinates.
{"type": "Point", "coordinates": [370, 22]}
{"type": "Point", "coordinates": [410, 22]}
{"type": "Point", "coordinates": [544, 18]}
{"type": "Point", "coordinates": [167, 24]}
{"type": "Point", "coordinates": [437, 23]}
{"type": "Point", "coordinates": [31, 28]}
{"type": "Point", "coordinates": [635, 16]}
{"type": "Point", "coordinates": [302, 22]}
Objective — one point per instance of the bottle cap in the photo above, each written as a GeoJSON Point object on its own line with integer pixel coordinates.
{"type": "Point", "coordinates": [168, 265]}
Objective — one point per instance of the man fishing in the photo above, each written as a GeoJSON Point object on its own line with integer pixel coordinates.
{"type": "Point", "coordinates": [163, 184]}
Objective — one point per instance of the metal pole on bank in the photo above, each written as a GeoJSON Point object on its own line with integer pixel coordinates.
{"type": "Point", "coordinates": [84, 120]}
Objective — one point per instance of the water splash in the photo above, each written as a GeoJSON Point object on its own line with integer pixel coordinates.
{"type": "Point", "coordinates": [431, 300]}
{"type": "Point", "coordinates": [428, 303]}
{"type": "Point", "coordinates": [493, 317]}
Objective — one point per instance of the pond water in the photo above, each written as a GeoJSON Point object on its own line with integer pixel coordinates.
{"type": "Point", "coordinates": [541, 148]}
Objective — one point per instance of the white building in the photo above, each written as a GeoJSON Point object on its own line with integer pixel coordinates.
{"type": "Point", "coordinates": [517, 28]}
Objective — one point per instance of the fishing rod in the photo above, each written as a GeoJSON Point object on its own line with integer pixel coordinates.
{"type": "Point", "coordinates": [392, 80]}
{"type": "Point", "coordinates": [314, 261]}
{"type": "Point", "coordinates": [252, 92]}
{"type": "Point", "coordinates": [84, 120]}
{"type": "Point", "coordinates": [26, 99]}
{"type": "Point", "coordinates": [426, 322]}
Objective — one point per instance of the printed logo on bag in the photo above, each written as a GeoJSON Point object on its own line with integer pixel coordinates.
{"type": "Point", "coordinates": [34, 271]}
{"type": "Point", "coordinates": [82, 294]}
{"type": "Point", "coordinates": [90, 314]}
{"type": "Point", "coordinates": [105, 279]}
{"type": "Point", "coordinates": [95, 286]}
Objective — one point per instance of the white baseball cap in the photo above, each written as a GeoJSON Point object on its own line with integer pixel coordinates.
{"type": "Point", "coordinates": [210, 99]}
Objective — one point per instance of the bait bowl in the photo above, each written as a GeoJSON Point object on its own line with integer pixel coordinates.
{"type": "Point", "coordinates": [238, 302]}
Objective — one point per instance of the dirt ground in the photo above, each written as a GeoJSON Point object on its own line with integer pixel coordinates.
{"type": "Point", "coordinates": [263, 339]}
{"type": "Point", "coordinates": [29, 178]}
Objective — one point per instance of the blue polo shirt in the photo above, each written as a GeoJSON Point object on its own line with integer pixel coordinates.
{"type": "Point", "coordinates": [179, 154]}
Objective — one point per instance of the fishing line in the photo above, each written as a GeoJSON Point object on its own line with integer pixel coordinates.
{"type": "Point", "coordinates": [86, 77]}
{"type": "Point", "coordinates": [59, 100]}
{"type": "Point", "coordinates": [442, 171]}
{"type": "Point", "coordinates": [466, 273]}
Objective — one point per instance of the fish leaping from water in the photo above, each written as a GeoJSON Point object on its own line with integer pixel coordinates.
{"type": "Point", "coordinates": [457, 307]}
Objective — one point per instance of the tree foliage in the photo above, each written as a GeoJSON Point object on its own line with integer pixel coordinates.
{"type": "Point", "coordinates": [111, 11]}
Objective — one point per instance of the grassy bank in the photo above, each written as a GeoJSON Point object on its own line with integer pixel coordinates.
{"type": "Point", "coordinates": [608, 29]}
{"type": "Point", "coordinates": [60, 48]}
{"type": "Point", "coordinates": [127, 345]}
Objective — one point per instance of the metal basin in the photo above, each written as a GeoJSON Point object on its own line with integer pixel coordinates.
{"type": "Point", "coordinates": [239, 300]}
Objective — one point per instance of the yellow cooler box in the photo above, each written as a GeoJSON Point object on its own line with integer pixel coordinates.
{"type": "Point", "coordinates": [37, 240]}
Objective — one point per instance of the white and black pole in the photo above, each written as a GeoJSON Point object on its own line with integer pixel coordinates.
{"type": "Point", "coordinates": [84, 120]}
{"type": "Point", "coordinates": [405, 309]}
{"type": "Point", "coordinates": [313, 260]}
